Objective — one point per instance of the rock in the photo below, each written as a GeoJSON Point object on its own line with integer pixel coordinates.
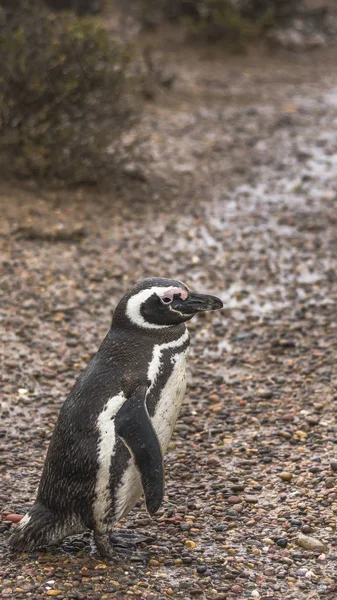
{"type": "Point", "coordinates": [282, 542]}
{"type": "Point", "coordinates": [285, 476]}
{"type": "Point", "coordinates": [236, 589]}
{"type": "Point", "coordinates": [251, 499]}
{"type": "Point", "coordinates": [237, 487]}
{"type": "Point", "coordinates": [154, 563]}
{"type": "Point", "coordinates": [306, 529]}
{"type": "Point", "coordinates": [234, 499]}
{"type": "Point", "coordinates": [14, 518]}
{"type": "Point", "coordinates": [333, 466]}
{"type": "Point", "coordinates": [201, 569]}
{"type": "Point", "coordinates": [266, 394]}
{"type": "Point", "coordinates": [190, 544]}
{"type": "Point", "coordinates": [310, 543]}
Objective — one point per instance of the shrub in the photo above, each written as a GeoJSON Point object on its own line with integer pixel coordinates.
{"type": "Point", "coordinates": [279, 9]}
{"type": "Point", "coordinates": [221, 20]}
{"type": "Point", "coordinates": [63, 94]}
{"type": "Point", "coordinates": [233, 21]}
{"type": "Point", "coordinates": [82, 7]}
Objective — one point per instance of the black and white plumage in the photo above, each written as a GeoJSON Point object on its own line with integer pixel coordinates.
{"type": "Point", "coordinates": [114, 427]}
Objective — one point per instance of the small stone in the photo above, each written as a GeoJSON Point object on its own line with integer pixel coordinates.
{"type": "Point", "coordinates": [53, 592]}
{"type": "Point", "coordinates": [282, 542]}
{"type": "Point", "coordinates": [330, 482]}
{"type": "Point", "coordinates": [190, 544]}
{"type": "Point", "coordinates": [237, 507]}
{"type": "Point", "coordinates": [333, 466]}
{"type": "Point", "coordinates": [13, 518]}
{"type": "Point", "coordinates": [306, 529]}
{"type": "Point", "coordinates": [285, 476]}
{"type": "Point", "coordinates": [237, 487]}
{"type": "Point", "coordinates": [154, 563]}
{"type": "Point", "coordinates": [234, 499]}
{"type": "Point", "coordinates": [251, 499]}
{"type": "Point", "coordinates": [310, 543]}
{"type": "Point", "coordinates": [285, 434]}
{"type": "Point", "coordinates": [301, 434]}
{"type": "Point", "coordinates": [201, 569]}
{"type": "Point", "coordinates": [267, 541]}
{"type": "Point", "coordinates": [255, 594]}
{"type": "Point", "coordinates": [236, 589]}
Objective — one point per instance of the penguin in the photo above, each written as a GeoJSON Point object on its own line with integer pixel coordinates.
{"type": "Point", "coordinates": [114, 427]}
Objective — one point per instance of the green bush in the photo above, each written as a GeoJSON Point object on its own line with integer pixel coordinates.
{"type": "Point", "coordinates": [64, 94]}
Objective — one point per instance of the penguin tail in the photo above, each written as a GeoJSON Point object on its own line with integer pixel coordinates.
{"type": "Point", "coordinates": [39, 527]}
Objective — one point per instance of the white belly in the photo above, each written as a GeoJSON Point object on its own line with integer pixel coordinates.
{"type": "Point", "coordinates": [163, 420]}
{"type": "Point", "coordinates": [168, 407]}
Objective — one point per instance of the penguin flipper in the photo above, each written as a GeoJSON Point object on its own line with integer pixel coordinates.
{"type": "Point", "coordinates": [134, 427]}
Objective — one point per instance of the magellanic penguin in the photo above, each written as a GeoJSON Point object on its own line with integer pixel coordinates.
{"type": "Point", "coordinates": [114, 427]}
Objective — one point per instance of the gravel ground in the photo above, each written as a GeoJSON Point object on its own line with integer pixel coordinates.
{"type": "Point", "coordinates": [243, 177]}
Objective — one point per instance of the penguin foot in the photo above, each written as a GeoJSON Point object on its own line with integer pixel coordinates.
{"type": "Point", "coordinates": [125, 538]}
{"type": "Point", "coordinates": [102, 542]}
{"type": "Point", "coordinates": [122, 540]}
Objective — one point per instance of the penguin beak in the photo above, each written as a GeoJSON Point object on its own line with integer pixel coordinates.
{"type": "Point", "coordinates": [199, 302]}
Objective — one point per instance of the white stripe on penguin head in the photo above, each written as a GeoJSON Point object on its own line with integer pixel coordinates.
{"type": "Point", "coordinates": [134, 305]}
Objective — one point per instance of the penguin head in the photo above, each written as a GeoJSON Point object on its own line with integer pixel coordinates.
{"type": "Point", "coordinates": [158, 303]}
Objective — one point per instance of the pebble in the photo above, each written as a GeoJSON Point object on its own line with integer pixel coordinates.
{"type": "Point", "coordinates": [282, 542]}
{"type": "Point", "coordinates": [333, 466]}
{"type": "Point", "coordinates": [13, 518]}
{"type": "Point", "coordinates": [154, 563]}
{"type": "Point", "coordinates": [251, 499]}
{"type": "Point", "coordinates": [310, 543]}
{"type": "Point", "coordinates": [330, 482]}
{"type": "Point", "coordinates": [236, 589]}
{"type": "Point", "coordinates": [285, 476]}
{"type": "Point", "coordinates": [238, 487]}
{"type": "Point", "coordinates": [201, 569]}
{"type": "Point", "coordinates": [306, 529]}
{"type": "Point", "coordinates": [234, 499]}
{"type": "Point", "coordinates": [190, 544]}
{"type": "Point", "coordinates": [262, 393]}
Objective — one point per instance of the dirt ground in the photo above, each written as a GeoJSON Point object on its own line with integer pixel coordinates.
{"type": "Point", "coordinates": [242, 171]}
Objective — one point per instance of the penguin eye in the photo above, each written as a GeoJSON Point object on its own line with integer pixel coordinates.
{"type": "Point", "coordinates": [174, 293]}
